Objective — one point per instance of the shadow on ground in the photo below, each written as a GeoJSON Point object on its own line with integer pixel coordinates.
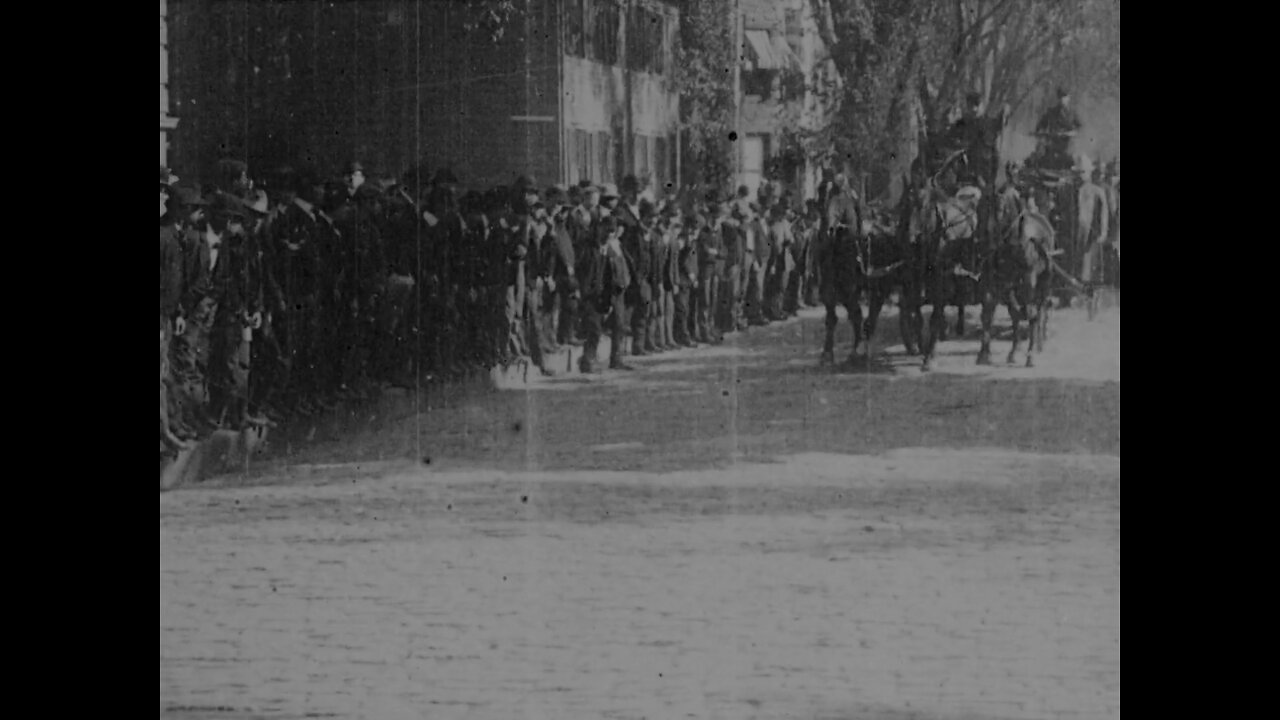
{"type": "Point", "coordinates": [760, 395]}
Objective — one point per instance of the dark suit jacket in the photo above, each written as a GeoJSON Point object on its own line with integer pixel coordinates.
{"type": "Point", "coordinates": [170, 272]}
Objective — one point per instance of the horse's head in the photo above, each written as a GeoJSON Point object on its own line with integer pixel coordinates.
{"type": "Point", "coordinates": [1034, 227]}
{"type": "Point", "coordinates": [955, 219]}
{"type": "Point", "coordinates": [1009, 204]}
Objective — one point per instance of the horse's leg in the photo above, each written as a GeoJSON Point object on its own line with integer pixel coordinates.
{"type": "Point", "coordinates": [990, 301]}
{"type": "Point", "coordinates": [1016, 315]}
{"type": "Point", "coordinates": [937, 322]}
{"type": "Point", "coordinates": [828, 345]}
{"type": "Point", "coordinates": [875, 305]}
{"type": "Point", "coordinates": [909, 318]}
{"type": "Point", "coordinates": [1039, 310]}
{"type": "Point", "coordinates": [853, 306]}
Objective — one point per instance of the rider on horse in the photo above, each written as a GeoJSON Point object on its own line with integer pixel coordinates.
{"type": "Point", "coordinates": [976, 137]}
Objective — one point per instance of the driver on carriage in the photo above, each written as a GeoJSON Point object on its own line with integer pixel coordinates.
{"type": "Point", "coordinates": [1056, 128]}
{"type": "Point", "coordinates": [969, 135]}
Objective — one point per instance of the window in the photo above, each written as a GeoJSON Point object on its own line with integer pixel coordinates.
{"type": "Point", "coordinates": [576, 27]}
{"type": "Point", "coordinates": [793, 23]}
{"type": "Point", "coordinates": [753, 157]}
{"type": "Point", "coordinates": [646, 33]}
{"type": "Point", "coordinates": [605, 25]}
{"type": "Point", "coordinates": [643, 165]}
{"type": "Point", "coordinates": [758, 82]}
{"type": "Point", "coordinates": [661, 173]}
{"type": "Point", "coordinates": [581, 158]}
{"type": "Point", "coordinates": [603, 170]}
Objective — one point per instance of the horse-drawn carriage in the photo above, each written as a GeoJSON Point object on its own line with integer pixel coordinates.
{"type": "Point", "coordinates": [1047, 231]}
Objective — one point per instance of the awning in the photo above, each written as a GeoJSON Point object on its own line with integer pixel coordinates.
{"type": "Point", "coordinates": [782, 51]}
{"type": "Point", "coordinates": [762, 53]}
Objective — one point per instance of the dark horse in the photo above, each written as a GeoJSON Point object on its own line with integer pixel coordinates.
{"type": "Point", "coordinates": [952, 260]}
{"type": "Point", "coordinates": [1017, 271]}
{"type": "Point", "coordinates": [892, 261]}
{"type": "Point", "coordinates": [855, 254]}
{"type": "Point", "coordinates": [842, 281]}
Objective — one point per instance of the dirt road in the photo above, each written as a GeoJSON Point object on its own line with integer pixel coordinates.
{"type": "Point", "coordinates": [726, 533]}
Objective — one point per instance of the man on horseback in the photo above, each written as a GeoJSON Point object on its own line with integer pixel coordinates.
{"type": "Point", "coordinates": [975, 136]}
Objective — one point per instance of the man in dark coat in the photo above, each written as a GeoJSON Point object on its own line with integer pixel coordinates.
{"type": "Point", "coordinates": [684, 280]}
{"type": "Point", "coordinates": [172, 435]}
{"type": "Point", "coordinates": [239, 311]}
{"type": "Point", "coordinates": [1056, 128]}
{"type": "Point", "coordinates": [205, 275]}
{"type": "Point", "coordinates": [593, 301]}
{"type": "Point", "coordinates": [357, 218]}
{"type": "Point", "coordinates": [711, 268]}
{"type": "Point", "coordinates": [563, 265]}
{"type": "Point", "coordinates": [617, 279]}
{"type": "Point", "coordinates": [636, 249]}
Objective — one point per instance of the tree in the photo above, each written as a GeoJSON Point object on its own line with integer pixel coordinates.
{"type": "Point", "coordinates": [489, 19]}
{"type": "Point", "coordinates": [705, 62]}
{"type": "Point", "coordinates": [906, 64]}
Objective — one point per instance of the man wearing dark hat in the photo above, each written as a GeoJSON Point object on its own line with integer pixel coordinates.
{"type": "Point", "coordinates": [648, 265]}
{"type": "Point", "coordinates": [172, 435]}
{"type": "Point", "coordinates": [206, 275]}
{"type": "Point", "coordinates": [685, 274]}
{"type": "Point", "coordinates": [364, 274]}
{"type": "Point", "coordinates": [617, 279]}
{"type": "Point", "coordinates": [639, 261]}
{"type": "Point", "coordinates": [238, 313]}
{"type": "Point", "coordinates": [539, 282]}
{"type": "Point", "coordinates": [499, 266]}
{"type": "Point", "coordinates": [711, 268]}
{"type": "Point", "coordinates": [233, 177]}
{"type": "Point", "coordinates": [779, 264]}
{"type": "Point", "coordinates": [593, 302]}
{"type": "Point", "coordinates": [407, 236]}
{"type": "Point", "coordinates": [733, 219]}
{"type": "Point", "coordinates": [564, 265]}
{"type": "Point", "coordinates": [265, 354]}
{"type": "Point", "coordinates": [758, 263]}
{"type": "Point", "coordinates": [289, 295]}
{"type": "Point", "coordinates": [1056, 128]}
{"type": "Point", "coordinates": [668, 264]}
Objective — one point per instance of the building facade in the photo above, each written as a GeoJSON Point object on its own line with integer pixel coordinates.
{"type": "Point", "coordinates": [786, 94]}
{"type": "Point", "coordinates": [168, 123]}
{"type": "Point", "coordinates": [572, 89]}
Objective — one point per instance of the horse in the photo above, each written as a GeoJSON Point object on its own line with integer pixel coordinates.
{"type": "Point", "coordinates": [1017, 273]}
{"type": "Point", "coordinates": [842, 281]}
{"type": "Point", "coordinates": [951, 260]}
{"type": "Point", "coordinates": [890, 260]}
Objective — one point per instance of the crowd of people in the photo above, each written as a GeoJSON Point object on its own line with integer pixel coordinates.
{"type": "Point", "coordinates": [286, 296]}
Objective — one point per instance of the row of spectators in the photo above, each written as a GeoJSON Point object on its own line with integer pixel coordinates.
{"type": "Point", "coordinates": [287, 297]}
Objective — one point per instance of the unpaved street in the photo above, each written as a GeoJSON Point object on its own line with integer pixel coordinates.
{"type": "Point", "coordinates": [730, 532]}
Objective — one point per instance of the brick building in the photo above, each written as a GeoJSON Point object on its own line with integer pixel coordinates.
{"type": "Point", "coordinates": [167, 122]}
{"type": "Point", "coordinates": [572, 89]}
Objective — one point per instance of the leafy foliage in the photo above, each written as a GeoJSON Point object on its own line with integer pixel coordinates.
{"type": "Point", "coordinates": [703, 76]}
{"type": "Point", "coordinates": [489, 19]}
{"type": "Point", "coordinates": [907, 64]}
